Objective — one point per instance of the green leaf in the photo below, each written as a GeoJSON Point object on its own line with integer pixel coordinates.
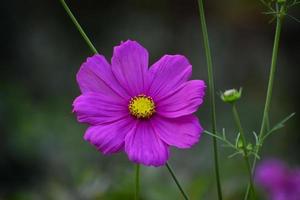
{"type": "Point", "coordinates": [234, 154]}
{"type": "Point", "coordinates": [256, 138]}
{"type": "Point", "coordinates": [278, 126]}
{"type": "Point", "coordinates": [220, 138]}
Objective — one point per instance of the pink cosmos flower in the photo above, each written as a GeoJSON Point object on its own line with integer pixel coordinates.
{"type": "Point", "coordinates": [142, 111]}
{"type": "Point", "coordinates": [281, 182]}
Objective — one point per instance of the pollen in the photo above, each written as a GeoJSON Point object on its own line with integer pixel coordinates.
{"type": "Point", "coordinates": [141, 106]}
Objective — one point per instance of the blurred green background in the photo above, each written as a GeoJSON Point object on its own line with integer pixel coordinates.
{"type": "Point", "coordinates": [42, 151]}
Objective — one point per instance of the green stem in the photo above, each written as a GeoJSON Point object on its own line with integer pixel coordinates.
{"type": "Point", "coordinates": [211, 93]}
{"type": "Point", "coordinates": [137, 182]}
{"type": "Point", "coordinates": [264, 123]}
{"type": "Point", "coordinates": [93, 49]}
{"type": "Point", "coordinates": [176, 181]}
{"type": "Point", "coordinates": [246, 155]}
{"type": "Point", "coordinates": [81, 31]}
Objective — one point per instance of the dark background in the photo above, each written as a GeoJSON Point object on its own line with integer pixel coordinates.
{"type": "Point", "coordinates": [42, 153]}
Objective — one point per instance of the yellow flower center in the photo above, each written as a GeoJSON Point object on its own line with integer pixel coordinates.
{"type": "Point", "coordinates": [141, 106]}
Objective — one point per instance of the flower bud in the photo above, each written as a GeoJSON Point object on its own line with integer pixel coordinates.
{"type": "Point", "coordinates": [231, 96]}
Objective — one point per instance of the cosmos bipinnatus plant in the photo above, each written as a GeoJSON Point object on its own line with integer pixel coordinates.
{"type": "Point", "coordinates": [143, 111]}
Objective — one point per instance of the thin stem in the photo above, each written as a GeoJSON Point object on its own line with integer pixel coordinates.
{"type": "Point", "coordinates": [81, 31]}
{"type": "Point", "coordinates": [246, 155]}
{"type": "Point", "coordinates": [176, 181]}
{"type": "Point", "coordinates": [264, 123]}
{"type": "Point", "coordinates": [211, 94]}
{"type": "Point", "coordinates": [137, 182]}
{"type": "Point", "coordinates": [93, 49]}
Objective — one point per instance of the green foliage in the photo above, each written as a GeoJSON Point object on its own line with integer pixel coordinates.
{"type": "Point", "coordinates": [237, 146]}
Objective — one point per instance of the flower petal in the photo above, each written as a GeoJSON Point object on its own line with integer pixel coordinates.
{"type": "Point", "coordinates": [272, 174]}
{"type": "Point", "coordinates": [184, 101]}
{"type": "Point", "coordinates": [167, 74]}
{"type": "Point", "coordinates": [109, 138]}
{"type": "Point", "coordinates": [97, 108]}
{"type": "Point", "coordinates": [95, 75]}
{"type": "Point", "coordinates": [130, 66]}
{"type": "Point", "coordinates": [182, 132]}
{"type": "Point", "coordinates": [145, 147]}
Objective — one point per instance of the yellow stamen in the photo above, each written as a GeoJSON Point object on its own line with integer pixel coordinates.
{"type": "Point", "coordinates": [141, 106]}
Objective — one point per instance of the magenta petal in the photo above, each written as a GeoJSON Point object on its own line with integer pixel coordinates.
{"type": "Point", "coordinates": [279, 180]}
{"type": "Point", "coordinates": [130, 66]}
{"type": "Point", "coordinates": [184, 101]}
{"type": "Point", "coordinates": [97, 108]}
{"type": "Point", "coordinates": [182, 132]}
{"type": "Point", "coordinates": [272, 174]}
{"type": "Point", "coordinates": [145, 147]}
{"type": "Point", "coordinates": [167, 74]}
{"type": "Point", "coordinates": [109, 138]}
{"type": "Point", "coordinates": [95, 75]}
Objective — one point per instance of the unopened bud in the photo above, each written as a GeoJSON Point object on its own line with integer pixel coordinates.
{"type": "Point", "coordinates": [231, 96]}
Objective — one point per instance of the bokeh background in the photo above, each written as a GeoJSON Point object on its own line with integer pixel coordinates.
{"type": "Point", "coordinates": [42, 151]}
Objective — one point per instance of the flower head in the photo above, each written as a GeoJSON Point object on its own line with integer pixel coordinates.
{"type": "Point", "coordinates": [280, 182]}
{"type": "Point", "coordinates": [231, 96]}
{"type": "Point", "coordinates": [142, 111]}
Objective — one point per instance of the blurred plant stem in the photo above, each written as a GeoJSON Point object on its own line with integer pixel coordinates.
{"type": "Point", "coordinates": [211, 86]}
{"type": "Point", "coordinates": [176, 181]}
{"type": "Point", "coordinates": [93, 49]}
{"type": "Point", "coordinates": [137, 182]}
{"type": "Point", "coordinates": [81, 31]}
{"type": "Point", "coordinates": [244, 147]}
{"type": "Point", "coordinates": [279, 20]}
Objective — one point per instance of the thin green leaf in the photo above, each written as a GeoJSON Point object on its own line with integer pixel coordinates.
{"type": "Point", "coordinates": [234, 154]}
{"type": "Point", "coordinates": [267, 5]}
{"type": "Point", "coordinates": [294, 18]}
{"type": "Point", "coordinates": [269, 13]}
{"type": "Point", "coordinates": [256, 138]}
{"type": "Point", "coordinates": [237, 140]}
{"type": "Point", "coordinates": [278, 126]}
{"type": "Point", "coordinates": [220, 138]}
{"type": "Point", "coordinates": [213, 135]}
{"type": "Point", "coordinates": [224, 134]}
{"type": "Point", "coordinates": [255, 154]}
{"type": "Point", "coordinates": [293, 4]}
